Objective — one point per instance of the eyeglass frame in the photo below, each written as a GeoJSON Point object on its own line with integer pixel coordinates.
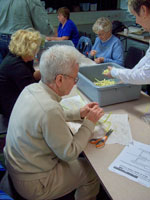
{"type": "Point", "coordinates": [75, 79]}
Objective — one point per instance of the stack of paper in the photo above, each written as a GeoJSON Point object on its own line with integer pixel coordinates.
{"type": "Point", "coordinates": [134, 163]}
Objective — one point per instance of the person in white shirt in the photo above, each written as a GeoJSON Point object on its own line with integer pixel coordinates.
{"type": "Point", "coordinates": [140, 74]}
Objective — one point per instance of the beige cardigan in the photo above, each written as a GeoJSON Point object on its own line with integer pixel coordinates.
{"type": "Point", "coordinates": [38, 135]}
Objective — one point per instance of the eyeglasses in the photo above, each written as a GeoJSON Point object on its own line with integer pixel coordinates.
{"type": "Point", "coordinates": [75, 79]}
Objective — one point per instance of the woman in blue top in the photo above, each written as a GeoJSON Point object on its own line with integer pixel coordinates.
{"type": "Point", "coordinates": [107, 47]}
{"type": "Point", "coordinates": [67, 30]}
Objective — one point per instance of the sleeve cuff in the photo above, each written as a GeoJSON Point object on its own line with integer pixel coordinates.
{"type": "Point", "coordinates": [90, 125]}
{"type": "Point", "coordinates": [114, 72]}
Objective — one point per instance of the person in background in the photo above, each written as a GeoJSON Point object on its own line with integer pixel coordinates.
{"type": "Point", "coordinates": [67, 30]}
{"type": "Point", "coordinates": [42, 154]}
{"type": "Point", "coordinates": [16, 69]}
{"type": "Point", "coordinates": [24, 14]}
{"type": "Point", "coordinates": [107, 47]}
{"type": "Point", "coordinates": [140, 74]}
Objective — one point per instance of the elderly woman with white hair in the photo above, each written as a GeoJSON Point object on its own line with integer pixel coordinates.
{"type": "Point", "coordinates": [107, 47]}
{"type": "Point", "coordinates": [42, 155]}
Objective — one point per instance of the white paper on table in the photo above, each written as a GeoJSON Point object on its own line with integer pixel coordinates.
{"type": "Point", "coordinates": [75, 102]}
{"type": "Point", "coordinates": [122, 132]}
{"type": "Point", "coordinates": [120, 125]}
{"type": "Point", "coordinates": [118, 122]}
{"type": "Point", "coordinates": [134, 163]}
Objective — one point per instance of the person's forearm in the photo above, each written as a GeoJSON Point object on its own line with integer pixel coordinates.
{"type": "Point", "coordinates": [139, 76]}
{"type": "Point", "coordinates": [57, 38]}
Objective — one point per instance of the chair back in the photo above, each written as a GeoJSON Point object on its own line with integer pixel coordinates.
{"type": "Point", "coordinates": [3, 124]}
{"type": "Point", "coordinates": [133, 56]}
{"type": "Point", "coordinates": [84, 45]}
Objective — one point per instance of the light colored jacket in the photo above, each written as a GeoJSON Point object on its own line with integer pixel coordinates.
{"type": "Point", "coordinates": [38, 136]}
{"type": "Point", "coordinates": [139, 75]}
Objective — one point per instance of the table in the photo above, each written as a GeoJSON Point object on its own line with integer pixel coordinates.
{"type": "Point", "coordinates": [132, 37]}
{"type": "Point", "coordinates": [119, 187]}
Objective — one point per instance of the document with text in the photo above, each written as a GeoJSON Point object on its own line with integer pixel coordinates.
{"type": "Point", "coordinates": [134, 163]}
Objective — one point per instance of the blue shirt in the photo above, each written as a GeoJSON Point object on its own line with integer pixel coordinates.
{"type": "Point", "coordinates": [111, 50]}
{"type": "Point", "coordinates": [69, 30]}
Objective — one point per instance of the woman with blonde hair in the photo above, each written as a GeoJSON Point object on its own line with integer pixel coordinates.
{"type": "Point", "coordinates": [16, 70]}
{"type": "Point", "coordinates": [107, 47]}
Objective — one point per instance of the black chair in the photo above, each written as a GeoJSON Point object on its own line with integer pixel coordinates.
{"type": "Point", "coordinates": [3, 124]}
{"type": "Point", "coordinates": [3, 131]}
{"type": "Point", "coordinates": [133, 56]}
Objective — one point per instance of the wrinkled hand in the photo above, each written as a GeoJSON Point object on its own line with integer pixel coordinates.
{"type": "Point", "coordinates": [95, 114]}
{"type": "Point", "coordinates": [85, 110]}
{"type": "Point", "coordinates": [93, 53]}
{"type": "Point", "coordinates": [92, 112]}
{"type": "Point", "coordinates": [99, 60]}
{"type": "Point", "coordinates": [109, 73]}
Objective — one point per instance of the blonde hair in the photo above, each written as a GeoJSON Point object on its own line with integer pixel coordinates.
{"type": "Point", "coordinates": [25, 42]}
{"type": "Point", "coordinates": [102, 24]}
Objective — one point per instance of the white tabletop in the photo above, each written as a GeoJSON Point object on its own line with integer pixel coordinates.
{"type": "Point", "coordinates": [119, 187]}
{"type": "Point", "coordinates": [134, 37]}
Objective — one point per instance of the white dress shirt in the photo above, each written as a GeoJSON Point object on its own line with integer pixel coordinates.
{"type": "Point", "coordinates": [139, 75]}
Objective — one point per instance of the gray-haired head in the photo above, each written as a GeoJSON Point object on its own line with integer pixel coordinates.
{"type": "Point", "coordinates": [136, 5]}
{"type": "Point", "coordinates": [58, 59]}
{"type": "Point", "coordinates": [102, 24]}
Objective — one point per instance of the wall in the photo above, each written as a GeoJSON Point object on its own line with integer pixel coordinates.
{"type": "Point", "coordinates": [85, 20]}
{"type": "Point", "coordinates": [123, 4]}
{"type": "Point", "coordinates": [129, 19]}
